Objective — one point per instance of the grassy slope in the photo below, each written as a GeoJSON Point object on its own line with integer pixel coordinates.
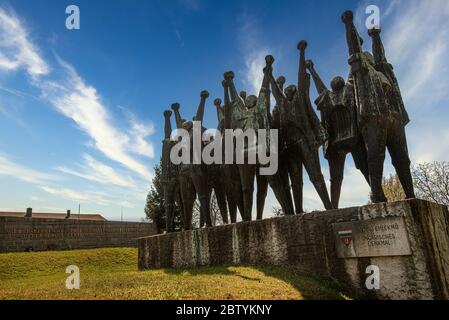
{"type": "Point", "coordinates": [112, 274]}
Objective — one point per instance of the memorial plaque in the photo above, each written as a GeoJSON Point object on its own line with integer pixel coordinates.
{"type": "Point", "coordinates": [372, 238]}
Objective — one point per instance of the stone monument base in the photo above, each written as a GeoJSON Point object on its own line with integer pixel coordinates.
{"type": "Point", "coordinates": [384, 251]}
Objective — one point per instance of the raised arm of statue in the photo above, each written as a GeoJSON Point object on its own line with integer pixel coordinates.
{"type": "Point", "coordinates": [352, 36]}
{"type": "Point", "coordinates": [200, 111]}
{"type": "Point", "coordinates": [175, 108]}
{"type": "Point", "coordinates": [229, 77]}
{"type": "Point", "coordinates": [378, 47]}
{"type": "Point", "coordinates": [220, 110]}
{"type": "Point", "coordinates": [302, 45]}
{"type": "Point", "coordinates": [277, 87]}
{"type": "Point", "coordinates": [167, 127]}
{"type": "Point", "coordinates": [319, 84]}
{"type": "Point", "coordinates": [227, 106]}
{"type": "Point", "coordinates": [243, 95]}
{"type": "Point", "coordinates": [267, 71]}
{"type": "Point", "coordinates": [264, 93]}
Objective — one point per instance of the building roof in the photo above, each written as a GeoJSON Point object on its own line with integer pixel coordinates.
{"type": "Point", "coordinates": [40, 215]}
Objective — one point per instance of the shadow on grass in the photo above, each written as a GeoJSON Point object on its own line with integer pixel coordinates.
{"type": "Point", "coordinates": [202, 271]}
{"type": "Point", "coordinates": [209, 271]}
{"type": "Point", "coordinates": [309, 286]}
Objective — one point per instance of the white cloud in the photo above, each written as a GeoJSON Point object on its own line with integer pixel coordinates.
{"type": "Point", "coordinates": [75, 99]}
{"type": "Point", "coordinates": [16, 50]}
{"type": "Point", "coordinates": [10, 168]}
{"type": "Point", "coordinates": [81, 103]}
{"type": "Point", "coordinates": [96, 171]}
{"type": "Point", "coordinates": [254, 53]}
{"type": "Point", "coordinates": [416, 42]}
{"type": "Point", "coordinates": [139, 132]}
{"type": "Point", "coordinates": [70, 194]}
{"type": "Point", "coordinates": [255, 62]}
{"type": "Point", "coordinates": [417, 45]}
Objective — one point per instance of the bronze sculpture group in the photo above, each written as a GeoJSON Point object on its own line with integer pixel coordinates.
{"type": "Point", "coordinates": [363, 116]}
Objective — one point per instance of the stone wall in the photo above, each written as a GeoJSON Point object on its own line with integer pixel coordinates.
{"type": "Point", "coordinates": [408, 241]}
{"type": "Point", "coordinates": [32, 234]}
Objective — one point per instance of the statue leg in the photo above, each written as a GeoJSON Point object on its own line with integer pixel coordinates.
{"type": "Point", "coordinates": [374, 134]}
{"type": "Point", "coordinates": [296, 178]}
{"type": "Point", "coordinates": [336, 168]}
{"type": "Point", "coordinates": [397, 147]}
{"type": "Point", "coordinates": [360, 160]}
{"type": "Point", "coordinates": [311, 161]}
{"type": "Point", "coordinates": [188, 195]}
{"type": "Point", "coordinates": [202, 216]}
{"type": "Point", "coordinates": [237, 189]}
{"type": "Point", "coordinates": [232, 205]}
{"type": "Point", "coordinates": [262, 188]}
{"type": "Point", "coordinates": [178, 202]}
{"type": "Point", "coordinates": [169, 201]}
{"type": "Point", "coordinates": [280, 186]}
{"type": "Point", "coordinates": [220, 194]}
{"type": "Point", "coordinates": [247, 174]}
{"type": "Point", "coordinates": [200, 181]}
{"type": "Point", "coordinates": [229, 192]}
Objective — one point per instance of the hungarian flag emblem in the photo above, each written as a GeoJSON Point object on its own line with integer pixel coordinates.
{"type": "Point", "coordinates": [345, 236]}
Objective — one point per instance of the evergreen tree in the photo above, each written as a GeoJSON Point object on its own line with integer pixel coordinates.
{"type": "Point", "coordinates": [154, 208]}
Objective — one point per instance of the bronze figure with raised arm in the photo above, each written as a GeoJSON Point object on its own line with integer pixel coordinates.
{"type": "Point", "coordinates": [229, 172]}
{"type": "Point", "coordinates": [290, 169]}
{"type": "Point", "coordinates": [339, 118]}
{"type": "Point", "coordinates": [169, 175]}
{"type": "Point", "coordinates": [247, 115]}
{"type": "Point", "coordinates": [302, 131]}
{"type": "Point", "coordinates": [194, 174]}
{"type": "Point", "coordinates": [186, 187]}
{"type": "Point", "coordinates": [380, 112]}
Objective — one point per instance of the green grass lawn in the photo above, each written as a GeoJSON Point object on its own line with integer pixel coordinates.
{"type": "Point", "coordinates": [113, 274]}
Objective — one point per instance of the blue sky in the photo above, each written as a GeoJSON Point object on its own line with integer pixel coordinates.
{"type": "Point", "coordinates": [81, 110]}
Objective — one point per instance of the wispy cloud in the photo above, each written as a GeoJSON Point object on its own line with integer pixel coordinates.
{"type": "Point", "coordinates": [23, 173]}
{"type": "Point", "coordinates": [96, 171]}
{"type": "Point", "coordinates": [70, 194]}
{"type": "Point", "coordinates": [418, 47]}
{"type": "Point", "coordinates": [254, 52]}
{"type": "Point", "coordinates": [80, 102]}
{"type": "Point", "coordinates": [17, 51]}
{"type": "Point", "coordinates": [73, 98]}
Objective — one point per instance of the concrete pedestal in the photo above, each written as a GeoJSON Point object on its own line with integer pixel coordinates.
{"type": "Point", "coordinates": [386, 251]}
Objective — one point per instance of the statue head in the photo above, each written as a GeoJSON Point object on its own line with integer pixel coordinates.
{"type": "Point", "coordinates": [250, 101]}
{"type": "Point", "coordinates": [337, 84]}
{"type": "Point", "coordinates": [280, 81]}
{"type": "Point", "coordinates": [290, 92]}
{"type": "Point", "coordinates": [187, 125]}
{"type": "Point", "coordinates": [243, 95]}
{"type": "Point", "coordinates": [369, 58]}
{"type": "Point", "coordinates": [309, 64]}
{"type": "Point", "coordinates": [217, 102]}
